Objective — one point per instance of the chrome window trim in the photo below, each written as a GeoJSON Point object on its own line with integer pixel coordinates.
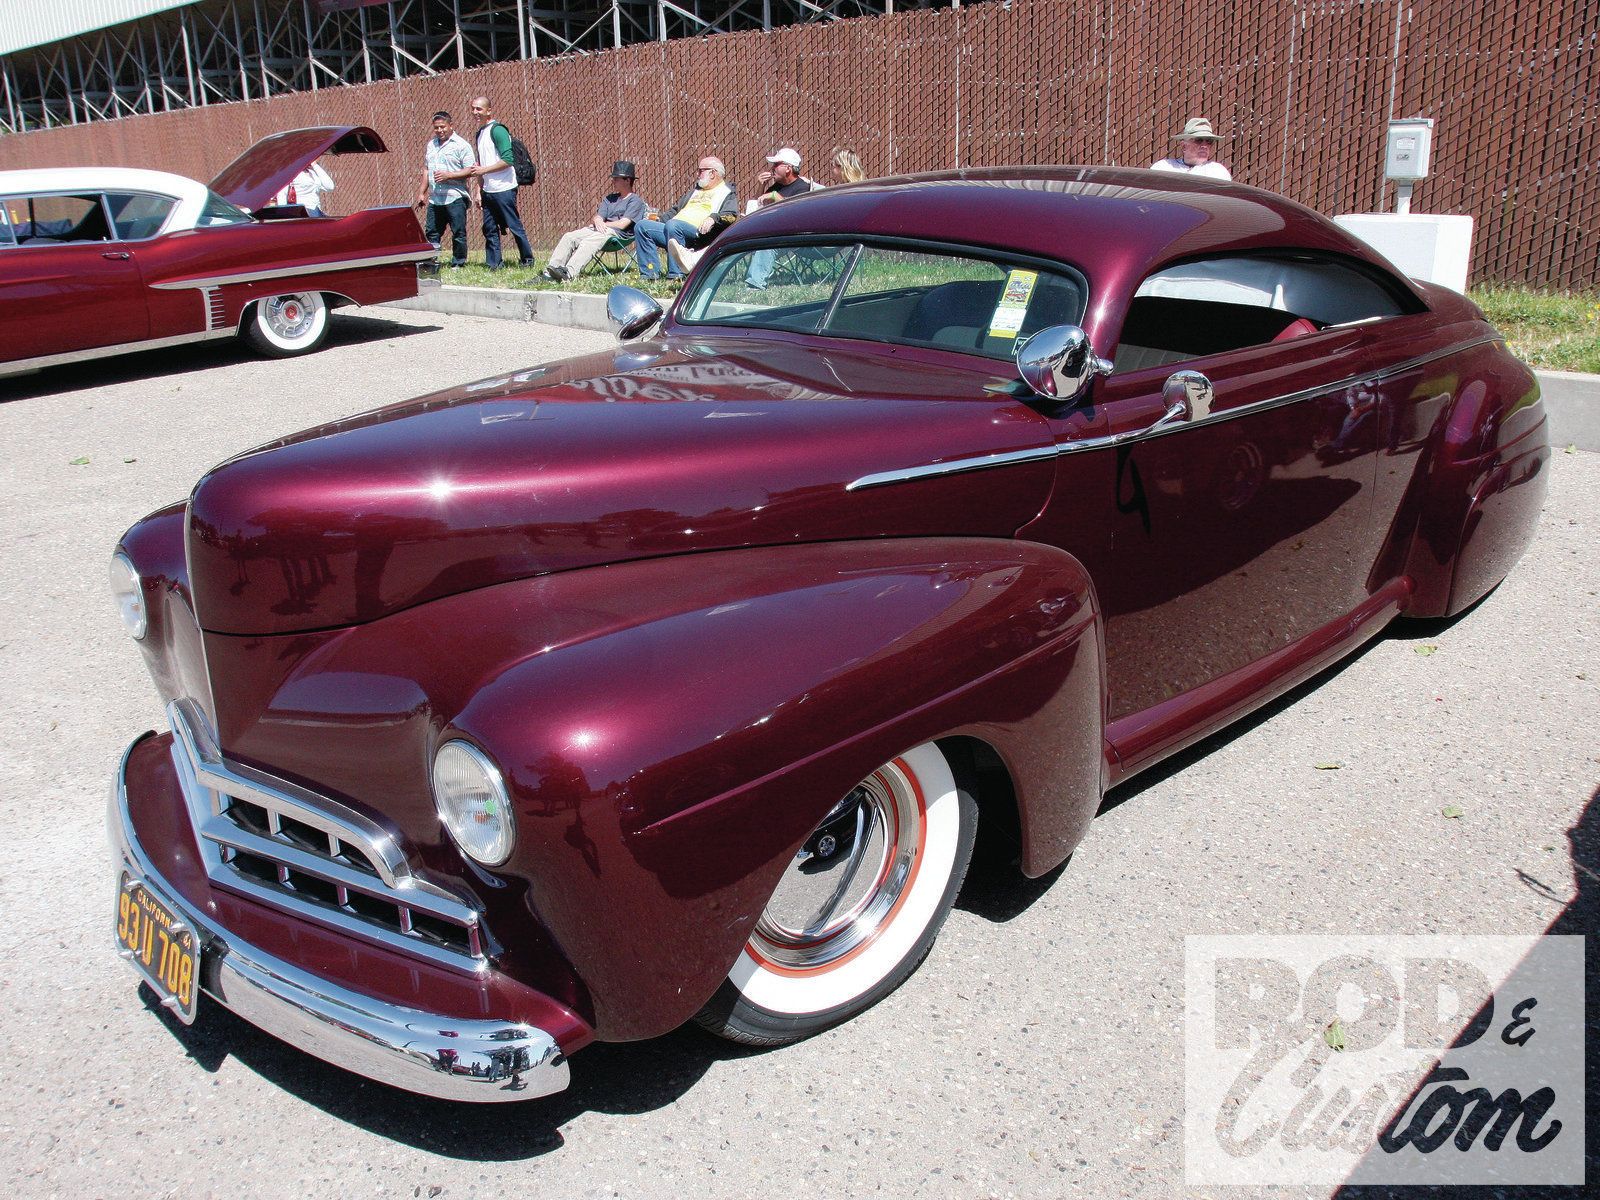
{"type": "Point", "coordinates": [962, 465]}
{"type": "Point", "coordinates": [177, 201]}
{"type": "Point", "coordinates": [105, 211]}
{"type": "Point", "coordinates": [348, 264]}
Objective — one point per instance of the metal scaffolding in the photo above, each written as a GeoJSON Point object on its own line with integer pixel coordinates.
{"type": "Point", "coordinates": [218, 51]}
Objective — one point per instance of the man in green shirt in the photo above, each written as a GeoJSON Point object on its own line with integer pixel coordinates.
{"type": "Point", "coordinates": [497, 185]}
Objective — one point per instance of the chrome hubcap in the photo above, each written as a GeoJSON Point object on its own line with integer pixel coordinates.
{"type": "Point", "coordinates": [845, 883]}
{"type": "Point", "coordinates": [289, 316]}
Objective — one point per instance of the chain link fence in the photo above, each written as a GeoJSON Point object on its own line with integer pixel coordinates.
{"type": "Point", "coordinates": [1300, 89]}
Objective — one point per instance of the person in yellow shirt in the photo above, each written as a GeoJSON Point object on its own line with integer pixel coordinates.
{"type": "Point", "coordinates": [700, 213]}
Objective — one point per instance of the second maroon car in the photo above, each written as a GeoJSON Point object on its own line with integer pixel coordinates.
{"type": "Point", "coordinates": [105, 260]}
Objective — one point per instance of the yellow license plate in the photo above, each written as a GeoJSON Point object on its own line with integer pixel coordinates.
{"type": "Point", "coordinates": [160, 946]}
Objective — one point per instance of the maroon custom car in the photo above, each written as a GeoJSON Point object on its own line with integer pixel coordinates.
{"type": "Point", "coordinates": [103, 260]}
{"type": "Point", "coordinates": [674, 682]}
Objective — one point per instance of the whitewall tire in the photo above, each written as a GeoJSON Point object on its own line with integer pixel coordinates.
{"type": "Point", "coordinates": [294, 323]}
{"type": "Point", "coordinates": [858, 907]}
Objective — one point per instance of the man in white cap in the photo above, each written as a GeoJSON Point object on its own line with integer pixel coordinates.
{"type": "Point", "coordinates": [779, 181]}
{"type": "Point", "coordinates": [1196, 152]}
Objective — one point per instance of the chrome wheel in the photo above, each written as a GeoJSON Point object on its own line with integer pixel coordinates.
{"type": "Point", "coordinates": [294, 323]}
{"type": "Point", "coordinates": [847, 880]}
{"type": "Point", "coordinates": [289, 317]}
{"type": "Point", "coordinates": [857, 907]}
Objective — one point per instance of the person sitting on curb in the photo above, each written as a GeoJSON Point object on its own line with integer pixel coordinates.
{"type": "Point", "coordinates": [1196, 152]}
{"type": "Point", "coordinates": [619, 211]}
{"type": "Point", "coordinates": [704, 211]}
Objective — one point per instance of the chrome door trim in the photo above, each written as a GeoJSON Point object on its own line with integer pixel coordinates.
{"type": "Point", "coordinates": [348, 264]}
{"type": "Point", "coordinates": [953, 467]}
{"type": "Point", "coordinates": [1161, 428]}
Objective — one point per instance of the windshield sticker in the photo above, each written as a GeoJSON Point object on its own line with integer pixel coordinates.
{"type": "Point", "coordinates": [1013, 306]}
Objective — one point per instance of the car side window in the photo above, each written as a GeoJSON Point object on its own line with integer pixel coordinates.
{"type": "Point", "coordinates": [1210, 306]}
{"type": "Point", "coordinates": [138, 215]}
{"type": "Point", "coordinates": [217, 211]}
{"type": "Point", "coordinates": [8, 236]}
{"type": "Point", "coordinates": [51, 220]}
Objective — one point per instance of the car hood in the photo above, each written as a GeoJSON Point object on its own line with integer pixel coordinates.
{"type": "Point", "coordinates": [672, 447]}
{"type": "Point", "coordinates": [263, 171]}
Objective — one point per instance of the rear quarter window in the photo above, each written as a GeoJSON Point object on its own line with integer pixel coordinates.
{"type": "Point", "coordinates": [1211, 306]}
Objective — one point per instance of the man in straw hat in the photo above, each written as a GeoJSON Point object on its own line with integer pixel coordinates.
{"type": "Point", "coordinates": [1196, 152]}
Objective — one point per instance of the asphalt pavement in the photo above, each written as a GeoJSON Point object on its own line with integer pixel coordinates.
{"type": "Point", "coordinates": [1038, 1052]}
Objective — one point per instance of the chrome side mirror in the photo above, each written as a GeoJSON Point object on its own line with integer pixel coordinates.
{"type": "Point", "coordinates": [1059, 364]}
{"type": "Point", "coordinates": [1188, 397]}
{"type": "Point", "coordinates": [631, 313]}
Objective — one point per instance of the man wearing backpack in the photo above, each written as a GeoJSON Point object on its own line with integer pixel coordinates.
{"type": "Point", "coordinates": [497, 183]}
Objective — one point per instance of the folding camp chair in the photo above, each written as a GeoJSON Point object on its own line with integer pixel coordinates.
{"type": "Point", "coordinates": [616, 256]}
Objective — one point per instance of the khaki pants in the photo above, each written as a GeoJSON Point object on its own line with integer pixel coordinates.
{"type": "Point", "coordinates": [577, 247]}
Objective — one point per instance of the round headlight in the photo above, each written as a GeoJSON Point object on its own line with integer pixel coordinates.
{"type": "Point", "coordinates": [471, 798]}
{"type": "Point", "coordinates": [128, 590]}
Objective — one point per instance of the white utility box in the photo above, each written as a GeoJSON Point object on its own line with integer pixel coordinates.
{"type": "Point", "coordinates": [1435, 248]}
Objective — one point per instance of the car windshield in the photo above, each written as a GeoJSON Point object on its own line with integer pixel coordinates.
{"type": "Point", "coordinates": [218, 211]}
{"type": "Point", "coordinates": [951, 299]}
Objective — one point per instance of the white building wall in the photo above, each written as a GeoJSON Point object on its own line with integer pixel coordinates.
{"type": "Point", "coordinates": [27, 23]}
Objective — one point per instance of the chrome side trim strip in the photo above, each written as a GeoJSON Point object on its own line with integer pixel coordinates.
{"type": "Point", "coordinates": [959, 466]}
{"type": "Point", "coordinates": [348, 264]}
{"type": "Point", "coordinates": [953, 467]}
{"type": "Point", "coordinates": [23, 366]}
{"type": "Point", "coordinates": [449, 1058]}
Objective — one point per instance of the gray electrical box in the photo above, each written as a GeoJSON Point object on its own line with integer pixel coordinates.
{"type": "Point", "coordinates": [1410, 144]}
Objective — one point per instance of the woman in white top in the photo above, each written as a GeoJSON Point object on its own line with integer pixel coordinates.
{"type": "Point", "coordinates": [1196, 153]}
{"type": "Point", "coordinates": [307, 189]}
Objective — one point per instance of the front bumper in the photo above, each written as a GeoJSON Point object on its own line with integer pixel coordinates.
{"type": "Point", "coordinates": [446, 1057]}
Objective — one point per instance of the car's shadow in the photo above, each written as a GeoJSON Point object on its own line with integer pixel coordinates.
{"type": "Point", "coordinates": [997, 891]}
{"type": "Point", "coordinates": [347, 329]}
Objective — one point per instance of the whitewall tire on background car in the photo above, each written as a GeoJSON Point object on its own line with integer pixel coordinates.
{"type": "Point", "coordinates": [858, 907]}
{"type": "Point", "coordinates": [295, 323]}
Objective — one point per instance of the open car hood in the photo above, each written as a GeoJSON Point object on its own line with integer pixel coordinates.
{"type": "Point", "coordinates": [262, 171]}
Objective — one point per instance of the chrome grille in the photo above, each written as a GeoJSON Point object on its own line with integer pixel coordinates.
{"type": "Point", "coordinates": [278, 843]}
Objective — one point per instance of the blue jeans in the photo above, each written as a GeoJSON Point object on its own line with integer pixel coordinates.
{"type": "Point", "coordinates": [760, 267]}
{"type": "Point", "coordinates": [455, 213]}
{"type": "Point", "coordinates": [650, 244]}
{"type": "Point", "coordinates": [500, 212]}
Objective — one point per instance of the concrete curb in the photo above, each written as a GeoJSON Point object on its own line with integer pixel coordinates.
{"type": "Point", "coordinates": [1572, 399]}
{"type": "Point", "coordinates": [574, 310]}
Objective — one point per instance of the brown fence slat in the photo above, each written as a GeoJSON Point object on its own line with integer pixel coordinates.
{"type": "Point", "coordinates": [1302, 89]}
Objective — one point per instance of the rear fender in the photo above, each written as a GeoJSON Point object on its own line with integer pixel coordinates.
{"type": "Point", "coordinates": [1483, 489]}
{"type": "Point", "coordinates": [664, 771]}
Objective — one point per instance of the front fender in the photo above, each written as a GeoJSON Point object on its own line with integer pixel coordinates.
{"type": "Point", "coordinates": [663, 771]}
{"type": "Point", "coordinates": [672, 729]}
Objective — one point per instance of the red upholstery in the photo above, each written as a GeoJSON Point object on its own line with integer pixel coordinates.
{"type": "Point", "coordinates": [1298, 327]}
